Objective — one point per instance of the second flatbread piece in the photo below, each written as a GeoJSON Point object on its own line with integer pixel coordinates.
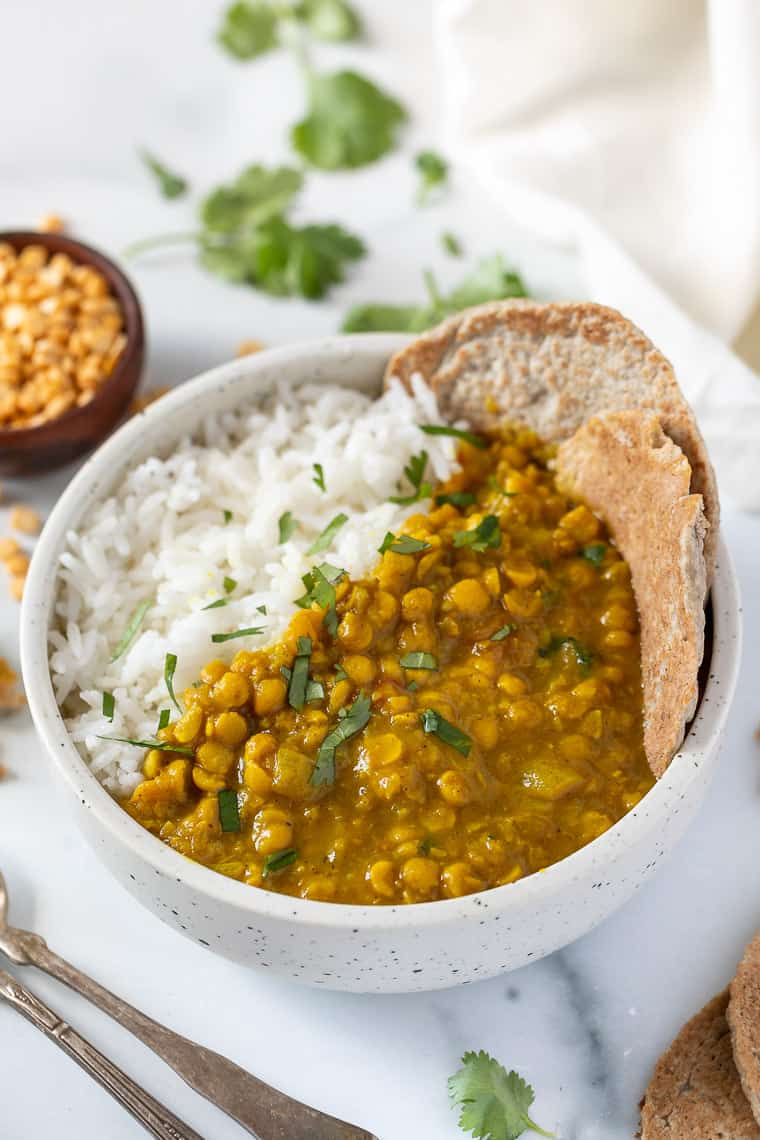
{"type": "Point", "coordinates": [744, 1019]}
{"type": "Point", "coordinates": [695, 1092]}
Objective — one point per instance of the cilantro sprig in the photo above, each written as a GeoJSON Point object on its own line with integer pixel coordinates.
{"type": "Point", "coordinates": [246, 238]}
{"type": "Point", "coordinates": [493, 1103]}
{"type": "Point", "coordinates": [489, 280]}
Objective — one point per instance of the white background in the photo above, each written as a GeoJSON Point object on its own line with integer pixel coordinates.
{"type": "Point", "coordinates": [81, 85]}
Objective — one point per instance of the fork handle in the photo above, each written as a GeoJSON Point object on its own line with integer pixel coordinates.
{"type": "Point", "coordinates": [153, 1116]}
{"type": "Point", "coordinates": [265, 1112]}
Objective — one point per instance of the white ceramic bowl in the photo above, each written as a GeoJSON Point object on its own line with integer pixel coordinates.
{"type": "Point", "coordinates": [369, 949]}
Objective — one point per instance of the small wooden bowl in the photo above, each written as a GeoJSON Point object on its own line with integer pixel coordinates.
{"type": "Point", "coordinates": [32, 451]}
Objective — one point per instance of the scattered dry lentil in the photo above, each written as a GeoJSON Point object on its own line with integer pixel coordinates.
{"type": "Point", "coordinates": [51, 224]}
{"type": "Point", "coordinates": [249, 347]}
{"type": "Point", "coordinates": [145, 399]}
{"type": "Point", "coordinates": [25, 519]}
{"type": "Point", "coordinates": [11, 697]}
{"type": "Point", "coordinates": [61, 334]}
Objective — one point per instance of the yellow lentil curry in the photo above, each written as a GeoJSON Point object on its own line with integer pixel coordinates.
{"type": "Point", "coordinates": [469, 713]}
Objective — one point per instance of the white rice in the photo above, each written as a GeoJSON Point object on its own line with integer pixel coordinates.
{"type": "Point", "coordinates": [162, 537]}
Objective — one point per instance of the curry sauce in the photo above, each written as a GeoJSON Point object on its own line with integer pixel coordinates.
{"type": "Point", "coordinates": [468, 714]}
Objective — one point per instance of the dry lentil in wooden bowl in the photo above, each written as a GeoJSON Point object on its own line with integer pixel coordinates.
{"type": "Point", "coordinates": [71, 349]}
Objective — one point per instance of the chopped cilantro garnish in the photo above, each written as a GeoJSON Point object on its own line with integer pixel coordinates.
{"type": "Point", "coordinates": [412, 687]}
{"type": "Point", "coordinates": [456, 433]}
{"type": "Point", "coordinates": [261, 610]}
{"type": "Point", "coordinates": [403, 544]}
{"type": "Point", "coordinates": [485, 534]}
{"type": "Point", "coordinates": [340, 673]}
{"type": "Point", "coordinates": [594, 553]}
{"type": "Point", "coordinates": [425, 845]}
{"type": "Point", "coordinates": [418, 660]}
{"type": "Point", "coordinates": [170, 664]}
{"type": "Point", "coordinates": [456, 498]}
{"type": "Point", "coordinates": [133, 625]}
{"type": "Point", "coordinates": [287, 526]}
{"type": "Point", "coordinates": [502, 633]}
{"type": "Point", "coordinates": [159, 745]}
{"type": "Point", "coordinates": [414, 472]}
{"type": "Point", "coordinates": [218, 604]}
{"type": "Point", "coordinates": [163, 719]}
{"type": "Point", "coordinates": [494, 1103]}
{"type": "Point", "coordinates": [299, 674]}
{"type": "Point", "coordinates": [583, 656]}
{"type": "Point", "coordinates": [108, 706]}
{"type": "Point", "coordinates": [278, 861]}
{"type": "Point", "coordinates": [229, 585]}
{"type": "Point", "coordinates": [319, 476]}
{"type": "Point", "coordinates": [432, 721]}
{"type": "Point", "coordinates": [217, 638]}
{"type": "Point", "coordinates": [320, 590]}
{"type": "Point", "coordinates": [328, 534]}
{"type": "Point", "coordinates": [227, 515]}
{"type": "Point", "coordinates": [229, 813]}
{"type": "Point", "coordinates": [354, 721]}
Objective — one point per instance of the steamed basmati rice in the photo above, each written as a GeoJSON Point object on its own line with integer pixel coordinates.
{"type": "Point", "coordinates": [164, 537]}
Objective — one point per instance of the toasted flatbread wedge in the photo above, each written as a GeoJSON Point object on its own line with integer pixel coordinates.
{"type": "Point", "coordinates": [552, 367]}
{"type": "Point", "coordinates": [744, 1021]}
{"type": "Point", "coordinates": [632, 475]}
{"type": "Point", "coordinates": [695, 1092]}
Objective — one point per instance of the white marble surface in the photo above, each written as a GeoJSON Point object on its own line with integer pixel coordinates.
{"type": "Point", "coordinates": [584, 1026]}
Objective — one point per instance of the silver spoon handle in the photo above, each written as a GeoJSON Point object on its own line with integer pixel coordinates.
{"type": "Point", "coordinates": [264, 1111]}
{"type": "Point", "coordinates": [153, 1116]}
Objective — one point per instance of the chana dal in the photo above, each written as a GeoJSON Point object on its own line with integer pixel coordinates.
{"type": "Point", "coordinates": [468, 714]}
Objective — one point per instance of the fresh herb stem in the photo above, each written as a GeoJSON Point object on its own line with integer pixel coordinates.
{"type": "Point", "coordinates": [159, 241]}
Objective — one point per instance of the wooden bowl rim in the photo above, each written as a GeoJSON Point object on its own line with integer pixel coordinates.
{"type": "Point", "coordinates": [48, 433]}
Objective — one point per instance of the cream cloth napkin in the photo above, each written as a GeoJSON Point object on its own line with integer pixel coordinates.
{"type": "Point", "coordinates": [631, 130]}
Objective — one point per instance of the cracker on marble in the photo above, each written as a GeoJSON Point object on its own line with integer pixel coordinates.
{"type": "Point", "coordinates": [744, 1021]}
{"type": "Point", "coordinates": [695, 1092]}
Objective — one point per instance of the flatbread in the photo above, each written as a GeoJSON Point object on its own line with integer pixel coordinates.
{"type": "Point", "coordinates": [744, 1021]}
{"type": "Point", "coordinates": [636, 478]}
{"type": "Point", "coordinates": [695, 1092]}
{"type": "Point", "coordinates": [551, 367]}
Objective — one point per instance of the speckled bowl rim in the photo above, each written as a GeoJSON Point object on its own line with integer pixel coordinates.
{"type": "Point", "coordinates": [583, 864]}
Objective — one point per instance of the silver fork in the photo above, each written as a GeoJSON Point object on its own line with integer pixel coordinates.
{"type": "Point", "coordinates": [264, 1111]}
{"type": "Point", "coordinates": [153, 1116]}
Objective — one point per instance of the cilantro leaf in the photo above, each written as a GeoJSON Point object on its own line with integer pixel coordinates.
{"type": "Point", "coordinates": [490, 280]}
{"type": "Point", "coordinates": [402, 544]}
{"type": "Point", "coordinates": [432, 721]}
{"type": "Point", "coordinates": [330, 20]}
{"type": "Point", "coordinates": [451, 244]}
{"type": "Point", "coordinates": [387, 318]}
{"type": "Point", "coordinates": [170, 184]}
{"type": "Point", "coordinates": [258, 194]}
{"type": "Point", "coordinates": [486, 534]}
{"type": "Point", "coordinates": [287, 526]}
{"type": "Point", "coordinates": [283, 260]}
{"type": "Point", "coordinates": [350, 123]}
{"type": "Point", "coordinates": [324, 540]}
{"type": "Point", "coordinates": [583, 656]}
{"type": "Point", "coordinates": [249, 28]}
{"type": "Point", "coordinates": [594, 553]}
{"type": "Point", "coordinates": [494, 1103]}
{"type": "Point", "coordinates": [433, 170]}
{"type": "Point", "coordinates": [414, 472]}
{"type": "Point", "coordinates": [320, 589]}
